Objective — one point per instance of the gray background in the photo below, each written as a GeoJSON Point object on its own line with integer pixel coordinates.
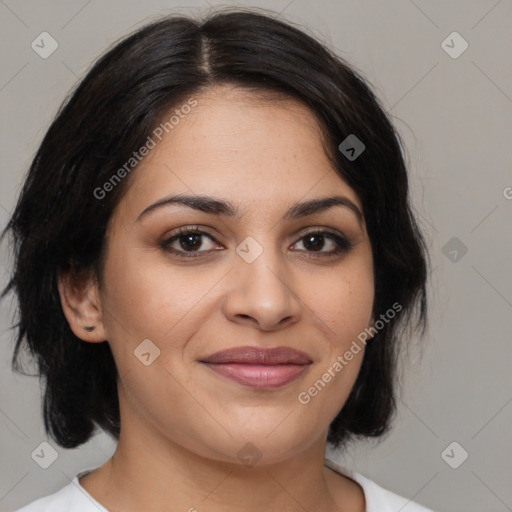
{"type": "Point", "coordinates": [455, 117]}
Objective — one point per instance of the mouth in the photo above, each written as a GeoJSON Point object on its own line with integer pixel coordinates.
{"type": "Point", "coordinates": [259, 368]}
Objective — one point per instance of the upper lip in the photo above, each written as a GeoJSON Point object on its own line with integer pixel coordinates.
{"type": "Point", "coordinates": [258, 355]}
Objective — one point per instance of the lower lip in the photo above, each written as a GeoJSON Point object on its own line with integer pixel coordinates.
{"type": "Point", "coordinates": [260, 376]}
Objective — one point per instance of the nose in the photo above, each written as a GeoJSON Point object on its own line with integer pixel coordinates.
{"type": "Point", "coordinates": [262, 293]}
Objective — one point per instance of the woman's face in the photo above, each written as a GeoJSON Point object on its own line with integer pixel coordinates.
{"type": "Point", "coordinates": [255, 279]}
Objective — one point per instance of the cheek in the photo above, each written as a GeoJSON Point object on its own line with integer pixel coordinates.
{"type": "Point", "coordinates": [148, 299]}
{"type": "Point", "coordinates": [344, 311]}
{"type": "Point", "coordinates": [345, 307]}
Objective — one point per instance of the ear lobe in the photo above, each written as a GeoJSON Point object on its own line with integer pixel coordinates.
{"type": "Point", "coordinates": [81, 305]}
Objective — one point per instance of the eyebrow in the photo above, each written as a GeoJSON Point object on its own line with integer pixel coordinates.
{"type": "Point", "coordinates": [213, 206]}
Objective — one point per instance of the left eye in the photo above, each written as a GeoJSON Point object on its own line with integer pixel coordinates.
{"type": "Point", "coordinates": [191, 240]}
{"type": "Point", "coordinates": [314, 241]}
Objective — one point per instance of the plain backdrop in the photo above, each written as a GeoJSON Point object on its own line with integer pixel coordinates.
{"type": "Point", "coordinates": [454, 111]}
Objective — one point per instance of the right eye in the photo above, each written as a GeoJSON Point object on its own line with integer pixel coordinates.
{"type": "Point", "coordinates": [190, 240]}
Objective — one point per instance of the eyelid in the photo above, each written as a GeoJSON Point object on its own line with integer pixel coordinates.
{"type": "Point", "coordinates": [308, 230]}
{"type": "Point", "coordinates": [200, 228]}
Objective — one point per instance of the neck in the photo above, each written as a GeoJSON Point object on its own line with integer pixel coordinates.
{"type": "Point", "coordinates": [141, 477]}
{"type": "Point", "coordinates": [151, 472]}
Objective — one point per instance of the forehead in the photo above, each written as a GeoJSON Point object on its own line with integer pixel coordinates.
{"type": "Point", "coordinates": [257, 150]}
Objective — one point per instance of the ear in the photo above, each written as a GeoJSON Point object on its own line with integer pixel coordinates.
{"type": "Point", "coordinates": [80, 300]}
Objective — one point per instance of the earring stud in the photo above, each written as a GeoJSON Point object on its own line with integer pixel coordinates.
{"type": "Point", "coordinates": [89, 328]}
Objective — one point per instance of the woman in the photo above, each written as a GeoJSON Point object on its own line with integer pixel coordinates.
{"type": "Point", "coordinates": [215, 258]}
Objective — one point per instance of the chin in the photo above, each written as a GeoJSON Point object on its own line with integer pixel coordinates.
{"type": "Point", "coordinates": [261, 445]}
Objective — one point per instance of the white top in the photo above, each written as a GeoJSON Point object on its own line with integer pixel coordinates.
{"type": "Point", "coordinates": [74, 498]}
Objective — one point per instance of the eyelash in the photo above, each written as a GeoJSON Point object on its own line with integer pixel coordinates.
{"type": "Point", "coordinates": [342, 243]}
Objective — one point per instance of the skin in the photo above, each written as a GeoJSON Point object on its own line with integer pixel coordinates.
{"type": "Point", "coordinates": [183, 424]}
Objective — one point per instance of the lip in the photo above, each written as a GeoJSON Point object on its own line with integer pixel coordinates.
{"type": "Point", "coordinates": [260, 368]}
{"type": "Point", "coordinates": [258, 355]}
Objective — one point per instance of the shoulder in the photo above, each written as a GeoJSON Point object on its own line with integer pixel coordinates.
{"type": "Point", "coordinates": [377, 498]}
{"type": "Point", "coordinates": [57, 502]}
{"type": "Point", "coordinates": [70, 498]}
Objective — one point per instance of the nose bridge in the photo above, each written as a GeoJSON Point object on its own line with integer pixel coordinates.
{"type": "Point", "coordinates": [261, 288]}
{"type": "Point", "coordinates": [260, 263]}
